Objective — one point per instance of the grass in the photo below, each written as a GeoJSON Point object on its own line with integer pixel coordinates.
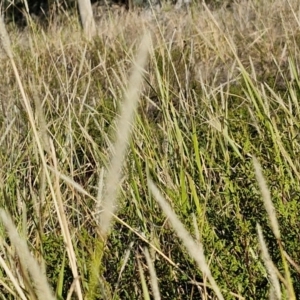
{"type": "Point", "coordinates": [163, 167]}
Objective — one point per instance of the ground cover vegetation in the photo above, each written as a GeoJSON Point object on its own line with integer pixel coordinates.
{"type": "Point", "coordinates": [193, 112]}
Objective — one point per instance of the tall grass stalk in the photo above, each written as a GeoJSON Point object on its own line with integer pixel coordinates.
{"type": "Point", "coordinates": [266, 196]}
{"type": "Point", "coordinates": [195, 249]}
{"type": "Point", "coordinates": [106, 202]}
{"type": "Point", "coordinates": [143, 282]}
{"type": "Point", "coordinates": [13, 280]}
{"type": "Point", "coordinates": [40, 284]}
{"type": "Point", "coordinates": [268, 263]}
{"type": "Point", "coordinates": [153, 276]}
{"type": "Point", "coordinates": [123, 130]}
{"type": "Point", "coordinates": [54, 190]}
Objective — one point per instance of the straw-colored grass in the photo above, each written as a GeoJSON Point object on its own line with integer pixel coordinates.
{"type": "Point", "coordinates": [85, 124]}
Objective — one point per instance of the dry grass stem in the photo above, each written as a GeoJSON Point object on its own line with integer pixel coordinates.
{"type": "Point", "coordinates": [42, 289]}
{"type": "Point", "coordinates": [54, 190]}
{"type": "Point", "coordinates": [267, 199]}
{"type": "Point", "coordinates": [195, 249]}
{"type": "Point", "coordinates": [275, 285]}
{"type": "Point", "coordinates": [292, 262]}
{"type": "Point", "coordinates": [59, 205]}
{"type": "Point", "coordinates": [153, 277]}
{"type": "Point", "coordinates": [123, 130]}
{"type": "Point", "coordinates": [4, 38]}
{"type": "Point", "coordinates": [12, 279]}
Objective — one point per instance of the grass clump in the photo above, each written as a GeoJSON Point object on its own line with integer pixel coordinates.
{"type": "Point", "coordinates": [86, 170]}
